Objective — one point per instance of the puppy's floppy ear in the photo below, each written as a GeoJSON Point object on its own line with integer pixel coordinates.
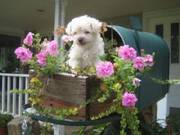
{"type": "Point", "coordinates": [99, 27]}
{"type": "Point", "coordinates": [103, 27]}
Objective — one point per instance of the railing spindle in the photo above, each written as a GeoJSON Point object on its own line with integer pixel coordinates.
{"type": "Point", "coordinates": [3, 94]}
{"type": "Point", "coordinates": [14, 96]}
{"type": "Point", "coordinates": [8, 93]}
{"type": "Point", "coordinates": [26, 87]}
{"type": "Point", "coordinates": [20, 97]}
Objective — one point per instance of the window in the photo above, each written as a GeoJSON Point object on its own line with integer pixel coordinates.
{"type": "Point", "coordinates": [175, 42]}
{"type": "Point", "coordinates": [160, 30]}
{"type": "Point", "coordinates": [8, 61]}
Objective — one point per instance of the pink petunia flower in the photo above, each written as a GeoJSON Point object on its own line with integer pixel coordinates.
{"type": "Point", "coordinates": [136, 82]}
{"type": "Point", "coordinates": [52, 48]}
{"type": "Point", "coordinates": [41, 57]}
{"type": "Point", "coordinates": [28, 39]}
{"type": "Point", "coordinates": [23, 54]}
{"type": "Point", "coordinates": [148, 60]}
{"type": "Point", "coordinates": [104, 69]}
{"type": "Point", "coordinates": [138, 63]}
{"type": "Point", "coordinates": [66, 39]}
{"type": "Point", "coordinates": [129, 99]}
{"type": "Point", "coordinates": [127, 53]}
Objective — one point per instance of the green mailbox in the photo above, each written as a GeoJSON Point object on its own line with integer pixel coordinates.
{"type": "Point", "coordinates": [150, 91]}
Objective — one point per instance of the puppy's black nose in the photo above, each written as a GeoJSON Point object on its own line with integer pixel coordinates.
{"type": "Point", "coordinates": [81, 40]}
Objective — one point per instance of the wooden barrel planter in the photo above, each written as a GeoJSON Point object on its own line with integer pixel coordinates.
{"type": "Point", "coordinates": [67, 90]}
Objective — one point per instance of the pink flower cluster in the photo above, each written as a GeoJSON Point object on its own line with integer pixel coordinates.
{"type": "Point", "coordinates": [129, 99]}
{"type": "Point", "coordinates": [51, 49]}
{"type": "Point", "coordinates": [28, 39]}
{"type": "Point", "coordinates": [23, 54]}
{"type": "Point", "coordinates": [128, 53]}
{"type": "Point", "coordinates": [41, 57]}
{"type": "Point", "coordinates": [66, 39]}
{"type": "Point", "coordinates": [148, 60]}
{"type": "Point", "coordinates": [104, 69]}
{"type": "Point", "coordinates": [141, 62]}
{"type": "Point", "coordinates": [138, 63]}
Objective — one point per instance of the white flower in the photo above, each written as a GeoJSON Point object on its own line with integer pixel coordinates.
{"type": "Point", "coordinates": [136, 82]}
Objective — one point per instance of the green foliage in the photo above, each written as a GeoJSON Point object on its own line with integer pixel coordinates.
{"type": "Point", "coordinates": [93, 130]}
{"type": "Point", "coordinates": [174, 121]}
{"type": "Point", "coordinates": [11, 61]}
{"type": "Point", "coordinates": [51, 67]}
{"type": "Point", "coordinates": [4, 119]}
{"type": "Point", "coordinates": [114, 88]}
{"type": "Point", "coordinates": [58, 113]}
{"type": "Point", "coordinates": [110, 50]}
{"type": "Point", "coordinates": [165, 82]}
{"type": "Point", "coordinates": [46, 128]}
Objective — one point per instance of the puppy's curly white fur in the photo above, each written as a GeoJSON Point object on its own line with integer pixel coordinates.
{"type": "Point", "coordinates": [87, 44]}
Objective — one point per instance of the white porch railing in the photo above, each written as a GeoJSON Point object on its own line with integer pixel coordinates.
{"type": "Point", "coordinates": [11, 102]}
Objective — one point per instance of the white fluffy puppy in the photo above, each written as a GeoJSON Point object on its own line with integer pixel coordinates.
{"type": "Point", "coordinates": [87, 44]}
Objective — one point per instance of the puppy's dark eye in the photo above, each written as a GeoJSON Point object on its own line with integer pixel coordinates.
{"type": "Point", "coordinates": [86, 32]}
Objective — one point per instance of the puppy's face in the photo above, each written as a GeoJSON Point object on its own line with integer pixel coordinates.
{"type": "Point", "coordinates": [84, 37]}
{"type": "Point", "coordinates": [84, 30]}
